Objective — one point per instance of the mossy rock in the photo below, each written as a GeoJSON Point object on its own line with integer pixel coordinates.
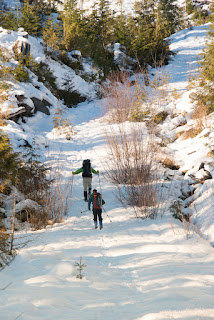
{"type": "Point", "coordinates": [160, 117]}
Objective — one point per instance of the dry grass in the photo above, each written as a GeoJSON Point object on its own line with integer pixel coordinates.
{"type": "Point", "coordinates": [210, 154]}
{"type": "Point", "coordinates": [175, 94]}
{"type": "Point", "coordinates": [179, 134]}
{"type": "Point", "coordinates": [170, 163]}
{"type": "Point", "coordinates": [191, 133]}
{"type": "Point", "coordinates": [199, 115]}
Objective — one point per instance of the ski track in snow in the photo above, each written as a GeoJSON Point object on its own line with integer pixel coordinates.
{"type": "Point", "coordinates": [135, 269]}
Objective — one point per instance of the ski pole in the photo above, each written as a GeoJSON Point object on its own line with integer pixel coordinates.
{"type": "Point", "coordinates": [101, 193]}
{"type": "Point", "coordinates": [100, 183]}
{"type": "Point", "coordinates": [107, 215]}
{"type": "Point", "coordinates": [72, 180]}
{"type": "Point", "coordinates": [83, 211]}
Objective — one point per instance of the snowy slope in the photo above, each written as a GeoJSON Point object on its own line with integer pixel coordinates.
{"type": "Point", "coordinates": [193, 153]}
{"type": "Point", "coordinates": [127, 5]}
{"type": "Point", "coordinates": [135, 269]}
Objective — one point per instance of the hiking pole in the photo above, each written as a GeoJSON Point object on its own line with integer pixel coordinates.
{"type": "Point", "coordinates": [100, 183]}
{"type": "Point", "coordinates": [72, 180]}
{"type": "Point", "coordinates": [107, 215]}
{"type": "Point", "coordinates": [102, 193]}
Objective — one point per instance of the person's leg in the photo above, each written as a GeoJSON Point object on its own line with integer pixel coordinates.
{"type": "Point", "coordinates": [85, 187]}
{"type": "Point", "coordinates": [100, 218]}
{"type": "Point", "coordinates": [95, 218]}
{"type": "Point", "coordinates": [89, 185]}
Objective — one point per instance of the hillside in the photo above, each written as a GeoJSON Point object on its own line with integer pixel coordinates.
{"type": "Point", "coordinates": [135, 269]}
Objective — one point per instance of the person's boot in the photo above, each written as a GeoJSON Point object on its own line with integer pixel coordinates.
{"type": "Point", "coordinates": [101, 225]}
{"type": "Point", "coordinates": [95, 224]}
{"type": "Point", "coordinates": [85, 195]}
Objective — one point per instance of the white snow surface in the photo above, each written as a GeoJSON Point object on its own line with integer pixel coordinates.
{"type": "Point", "coordinates": [135, 269]}
{"type": "Point", "coordinates": [125, 5]}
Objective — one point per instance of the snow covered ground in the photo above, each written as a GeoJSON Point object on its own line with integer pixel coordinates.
{"type": "Point", "coordinates": [135, 269]}
{"type": "Point", "coordinates": [116, 5]}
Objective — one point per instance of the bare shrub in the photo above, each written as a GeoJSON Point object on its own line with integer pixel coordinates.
{"type": "Point", "coordinates": [133, 167]}
{"type": "Point", "coordinates": [199, 115]}
{"type": "Point", "coordinates": [159, 94]}
{"type": "Point", "coordinates": [62, 125]}
{"type": "Point", "coordinates": [135, 100]}
{"type": "Point", "coordinates": [43, 185]}
{"type": "Point", "coordinates": [175, 94]}
{"type": "Point", "coordinates": [121, 97]}
{"type": "Point", "coordinates": [56, 200]}
{"type": "Point", "coordinates": [53, 202]}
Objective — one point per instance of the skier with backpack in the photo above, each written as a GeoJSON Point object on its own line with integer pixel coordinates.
{"type": "Point", "coordinates": [87, 171]}
{"type": "Point", "coordinates": [97, 202]}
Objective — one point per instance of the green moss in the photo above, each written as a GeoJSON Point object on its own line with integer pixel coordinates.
{"type": "Point", "coordinates": [160, 117]}
{"type": "Point", "coordinates": [138, 115]}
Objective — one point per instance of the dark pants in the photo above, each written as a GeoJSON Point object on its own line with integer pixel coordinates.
{"type": "Point", "coordinates": [97, 212]}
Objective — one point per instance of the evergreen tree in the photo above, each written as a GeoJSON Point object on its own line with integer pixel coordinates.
{"type": "Point", "coordinates": [190, 8]}
{"type": "Point", "coordinates": [121, 30]}
{"type": "Point", "coordinates": [142, 28]}
{"type": "Point", "coordinates": [20, 72]}
{"type": "Point", "coordinates": [43, 8]}
{"type": "Point", "coordinates": [169, 15]}
{"type": "Point", "coordinates": [9, 20]}
{"type": "Point", "coordinates": [147, 35]}
{"type": "Point", "coordinates": [100, 35]}
{"type": "Point", "coordinates": [73, 24]}
{"type": "Point", "coordinates": [9, 163]}
{"type": "Point", "coordinates": [30, 19]}
{"type": "Point", "coordinates": [5, 77]}
{"type": "Point", "coordinates": [52, 34]}
{"type": "Point", "coordinates": [207, 73]}
{"type": "Point", "coordinates": [104, 22]}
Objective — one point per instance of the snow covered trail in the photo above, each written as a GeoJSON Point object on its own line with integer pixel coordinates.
{"type": "Point", "coordinates": [135, 269]}
{"type": "Point", "coordinates": [187, 45]}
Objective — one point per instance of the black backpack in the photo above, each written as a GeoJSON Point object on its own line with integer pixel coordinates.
{"type": "Point", "coordinates": [86, 168]}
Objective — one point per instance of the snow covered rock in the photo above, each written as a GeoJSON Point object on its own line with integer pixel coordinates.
{"type": "Point", "coordinates": [23, 208]}
{"type": "Point", "coordinates": [41, 105]}
{"type": "Point", "coordinates": [27, 107]}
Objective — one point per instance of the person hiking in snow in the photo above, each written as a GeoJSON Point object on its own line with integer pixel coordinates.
{"type": "Point", "coordinates": [87, 171]}
{"type": "Point", "coordinates": [97, 202]}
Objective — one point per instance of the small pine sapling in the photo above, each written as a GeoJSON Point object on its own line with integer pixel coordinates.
{"type": "Point", "coordinates": [80, 266]}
